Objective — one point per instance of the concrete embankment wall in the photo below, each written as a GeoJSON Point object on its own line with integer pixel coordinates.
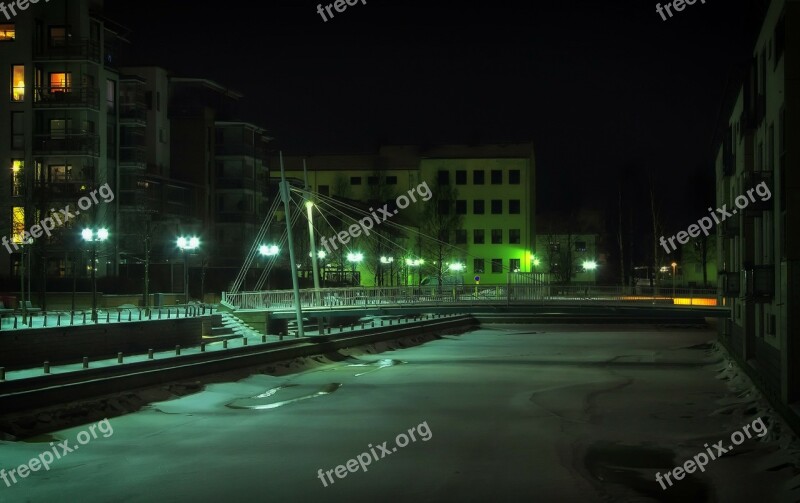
{"type": "Point", "coordinates": [31, 347]}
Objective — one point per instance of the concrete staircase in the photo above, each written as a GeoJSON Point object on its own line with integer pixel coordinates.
{"type": "Point", "coordinates": [235, 327]}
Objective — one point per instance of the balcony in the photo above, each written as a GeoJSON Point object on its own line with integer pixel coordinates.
{"type": "Point", "coordinates": [730, 227]}
{"type": "Point", "coordinates": [752, 179]}
{"type": "Point", "coordinates": [66, 144]}
{"type": "Point", "coordinates": [66, 97]}
{"type": "Point", "coordinates": [132, 156]}
{"type": "Point", "coordinates": [731, 284]}
{"type": "Point", "coordinates": [67, 49]}
{"type": "Point", "coordinates": [133, 115]}
{"type": "Point", "coordinates": [760, 281]}
{"type": "Point", "coordinates": [66, 190]}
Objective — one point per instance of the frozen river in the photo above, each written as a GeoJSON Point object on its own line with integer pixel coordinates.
{"type": "Point", "coordinates": [503, 413]}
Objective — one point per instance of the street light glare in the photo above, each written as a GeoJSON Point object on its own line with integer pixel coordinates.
{"type": "Point", "coordinates": [590, 265]}
{"type": "Point", "coordinates": [268, 250]}
{"type": "Point", "coordinates": [355, 257]}
{"type": "Point", "coordinates": [102, 234]}
{"type": "Point", "coordinates": [87, 234]}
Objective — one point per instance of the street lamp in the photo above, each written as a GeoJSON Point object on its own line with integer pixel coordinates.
{"type": "Point", "coordinates": [674, 268]}
{"type": "Point", "coordinates": [414, 262]}
{"type": "Point", "coordinates": [390, 262]}
{"type": "Point", "coordinates": [186, 245]}
{"type": "Point", "coordinates": [94, 237]}
{"type": "Point", "coordinates": [591, 265]}
{"type": "Point", "coordinates": [355, 258]}
{"type": "Point", "coordinates": [269, 250]}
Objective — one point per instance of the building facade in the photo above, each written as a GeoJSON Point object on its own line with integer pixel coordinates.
{"type": "Point", "coordinates": [758, 175]}
{"type": "Point", "coordinates": [478, 222]}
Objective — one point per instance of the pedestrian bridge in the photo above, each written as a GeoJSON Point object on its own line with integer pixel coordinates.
{"type": "Point", "coordinates": [373, 299]}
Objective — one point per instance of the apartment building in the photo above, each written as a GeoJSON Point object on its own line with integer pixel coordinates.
{"type": "Point", "coordinates": [759, 248]}
{"type": "Point", "coordinates": [489, 188]}
{"type": "Point", "coordinates": [60, 125]}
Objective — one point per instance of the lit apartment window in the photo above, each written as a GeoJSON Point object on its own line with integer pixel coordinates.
{"type": "Point", "coordinates": [60, 82]}
{"type": "Point", "coordinates": [513, 236]}
{"type": "Point", "coordinates": [497, 177]}
{"type": "Point", "coordinates": [497, 236]}
{"type": "Point", "coordinates": [18, 83]}
{"type": "Point", "coordinates": [59, 173]}
{"type": "Point", "coordinates": [17, 223]}
{"type": "Point", "coordinates": [478, 265]}
{"type": "Point", "coordinates": [17, 177]}
{"type": "Point", "coordinates": [497, 265]}
{"type": "Point", "coordinates": [478, 237]}
{"type": "Point", "coordinates": [7, 32]}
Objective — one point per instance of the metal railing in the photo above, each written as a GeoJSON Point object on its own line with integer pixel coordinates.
{"type": "Point", "coordinates": [13, 319]}
{"type": "Point", "coordinates": [277, 300]}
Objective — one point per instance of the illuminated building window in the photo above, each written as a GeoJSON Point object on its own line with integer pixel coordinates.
{"type": "Point", "coordinates": [497, 265]}
{"type": "Point", "coordinates": [17, 223]}
{"type": "Point", "coordinates": [17, 177]}
{"type": "Point", "coordinates": [60, 82]}
{"type": "Point", "coordinates": [18, 83]}
{"type": "Point", "coordinates": [7, 32]}
{"type": "Point", "coordinates": [59, 173]}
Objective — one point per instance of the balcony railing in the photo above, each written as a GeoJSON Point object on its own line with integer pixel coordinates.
{"type": "Point", "coordinates": [66, 97]}
{"type": "Point", "coordinates": [133, 115]}
{"type": "Point", "coordinates": [67, 49]}
{"type": "Point", "coordinates": [67, 144]}
{"type": "Point", "coordinates": [132, 155]}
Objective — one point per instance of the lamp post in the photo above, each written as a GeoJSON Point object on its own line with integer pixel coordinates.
{"type": "Point", "coordinates": [674, 269]}
{"type": "Point", "coordinates": [390, 262]}
{"type": "Point", "coordinates": [414, 262]}
{"type": "Point", "coordinates": [591, 265]}
{"type": "Point", "coordinates": [25, 248]}
{"type": "Point", "coordinates": [186, 245]}
{"type": "Point", "coordinates": [355, 258]}
{"type": "Point", "coordinates": [94, 237]}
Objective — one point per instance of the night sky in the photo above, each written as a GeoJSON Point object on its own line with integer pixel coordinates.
{"type": "Point", "coordinates": [599, 87]}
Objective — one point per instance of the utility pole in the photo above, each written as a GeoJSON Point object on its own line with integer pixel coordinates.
{"type": "Point", "coordinates": [292, 262]}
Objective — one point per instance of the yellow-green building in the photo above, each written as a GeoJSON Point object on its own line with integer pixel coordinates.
{"type": "Point", "coordinates": [482, 204]}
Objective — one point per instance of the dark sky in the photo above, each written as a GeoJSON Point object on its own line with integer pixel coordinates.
{"type": "Point", "coordinates": [596, 85]}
